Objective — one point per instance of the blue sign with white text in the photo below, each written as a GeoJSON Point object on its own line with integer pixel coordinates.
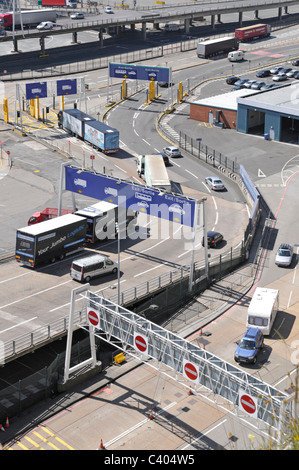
{"type": "Point", "coordinates": [66, 87]}
{"type": "Point", "coordinates": [36, 90]}
{"type": "Point", "coordinates": [133, 196]}
{"type": "Point", "coordinates": [139, 72]}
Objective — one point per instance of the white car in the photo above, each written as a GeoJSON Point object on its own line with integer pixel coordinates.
{"type": "Point", "coordinates": [284, 255]}
{"type": "Point", "coordinates": [45, 25]}
{"type": "Point", "coordinates": [214, 183]}
{"type": "Point", "coordinates": [108, 10]}
{"type": "Point", "coordinates": [172, 151]}
{"type": "Point", "coordinates": [77, 16]}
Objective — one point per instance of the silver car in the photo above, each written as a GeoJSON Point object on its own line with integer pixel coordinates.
{"type": "Point", "coordinates": [284, 255]}
{"type": "Point", "coordinates": [214, 183]}
{"type": "Point", "coordinates": [172, 151]}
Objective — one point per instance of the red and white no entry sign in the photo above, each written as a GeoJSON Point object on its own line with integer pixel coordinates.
{"type": "Point", "coordinates": [140, 342]}
{"type": "Point", "coordinates": [190, 371]}
{"type": "Point", "coordinates": [247, 404]}
{"type": "Point", "coordinates": [93, 317]}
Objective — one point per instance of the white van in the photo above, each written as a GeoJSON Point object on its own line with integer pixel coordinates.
{"type": "Point", "coordinates": [262, 309]}
{"type": "Point", "coordinates": [172, 27]}
{"type": "Point", "coordinates": [236, 56]}
{"type": "Point", "coordinates": [84, 269]}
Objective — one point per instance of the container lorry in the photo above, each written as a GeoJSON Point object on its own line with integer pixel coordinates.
{"type": "Point", "coordinates": [98, 134]}
{"type": "Point", "coordinates": [262, 309]}
{"type": "Point", "coordinates": [102, 219]}
{"type": "Point", "coordinates": [152, 169]}
{"type": "Point", "coordinates": [213, 47]}
{"type": "Point", "coordinates": [248, 33]}
{"type": "Point", "coordinates": [50, 240]}
{"type": "Point", "coordinates": [28, 18]}
{"type": "Point", "coordinates": [46, 214]}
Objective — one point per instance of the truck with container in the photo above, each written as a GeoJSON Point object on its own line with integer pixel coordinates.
{"type": "Point", "coordinates": [263, 309]}
{"type": "Point", "coordinates": [98, 134]}
{"type": "Point", "coordinates": [50, 240]}
{"type": "Point", "coordinates": [27, 18]}
{"type": "Point", "coordinates": [248, 33]}
{"type": "Point", "coordinates": [46, 214]}
{"type": "Point", "coordinates": [214, 47]}
{"type": "Point", "coordinates": [152, 169]}
{"type": "Point", "coordinates": [59, 3]}
{"type": "Point", "coordinates": [102, 219]}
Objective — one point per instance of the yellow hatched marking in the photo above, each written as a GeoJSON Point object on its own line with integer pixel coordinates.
{"type": "Point", "coordinates": [22, 445]}
{"type": "Point", "coordinates": [57, 438]}
{"type": "Point", "coordinates": [34, 443]}
{"type": "Point", "coordinates": [45, 440]}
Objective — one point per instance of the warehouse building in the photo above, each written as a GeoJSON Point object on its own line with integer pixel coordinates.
{"type": "Point", "coordinates": [273, 113]}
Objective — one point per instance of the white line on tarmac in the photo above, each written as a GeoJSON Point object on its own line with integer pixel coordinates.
{"type": "Point", "coordinates": [18, 324]}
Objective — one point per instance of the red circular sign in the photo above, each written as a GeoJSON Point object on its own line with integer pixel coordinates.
{"type": "Point", "coordinates": [93, 318]}
{"type": "Point", "coordinates": [190, 371]}
{"type": "Point", "coordinates": [140, 343]}
{"type": "Point", "coordinates": [248, 404]}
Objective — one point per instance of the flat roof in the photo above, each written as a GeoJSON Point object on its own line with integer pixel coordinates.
{"type": "Point", "coordinates": [226, 100]}
{"type": "Point", "coordinates": [283, 99]}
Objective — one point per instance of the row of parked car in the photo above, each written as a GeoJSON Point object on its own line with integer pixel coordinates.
{"type": "Point", "coordinates": [278, 73]}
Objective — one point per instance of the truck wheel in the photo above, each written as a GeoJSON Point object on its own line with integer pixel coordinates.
{"type": "Point", "coordinates": [53, 260]}
{"type": "Point", "coordinates": [87, 279]}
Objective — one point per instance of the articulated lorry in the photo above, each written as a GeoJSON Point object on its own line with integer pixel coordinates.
{"type": "Point", "coordinates": [248, 33]}
{"type": "Point", "coordinates": [29, 18]}
{"type": "Point", "coordinates": [59, 3]}
{"type": "Point", "coordinates": [151, 168]}
{"type": "Point", "coordinates": [98, 134]}
{"type": "Point", "coordinates": [50, 240]}
{"type": "Point", "coordinates": [213, 47]}
{"type": "Point", "coordinates": [102, 219]}
{"type": "Point", "coordinates": [46, 214]}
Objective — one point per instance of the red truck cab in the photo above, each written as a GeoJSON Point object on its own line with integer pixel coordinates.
{"type": "Point", "coordinates": [46, 214]}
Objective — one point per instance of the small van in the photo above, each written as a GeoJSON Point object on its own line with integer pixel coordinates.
{"type": "Point", "coordinates": [84, 269]}
{"type": "Point", "coordinates": [172, 27]}
{"type": "Point", "coordinates": [236, 56]}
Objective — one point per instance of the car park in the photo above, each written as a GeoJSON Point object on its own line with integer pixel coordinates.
{"type": "Point", "coordinates": [263, 73]}
{"type": "Point", "coordinates": [214, 183]}
{"type": "Point", "coordinates": [88, 267]}
{"type": "Point", "coordinates": [77, 16]}
{"type": "Point", "coordinates": [295, 62]}
{"type": "Point", "coordinates": [45, 25]}
{"type": "Point", "coordinates": [257, 85]}
{"type": "Point", "coordinates": [232, 80]}
{"type": "Point", "coordinates": [213, 239]}
{"type": "Point", "coordinates": [108, 10]}
{"type": "Point", "coordinates": [172, 151]}
{"type": "Point", "coordinates": [280, 77]}
{"type": "Point", "coordinates": [284, 255]}
{"type": "Point", "coordinates": [276, 69]}
{"type": "Point", "coordinates": [249, 346]}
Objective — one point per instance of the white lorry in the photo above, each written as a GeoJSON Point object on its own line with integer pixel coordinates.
{"type": "Point", "coordinates": [152, 169]}
{"type": "Point", "coordinates": [262, 309]}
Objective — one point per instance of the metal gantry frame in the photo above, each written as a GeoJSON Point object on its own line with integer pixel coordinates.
{"type": "Point", "coordinates": [217, 380]}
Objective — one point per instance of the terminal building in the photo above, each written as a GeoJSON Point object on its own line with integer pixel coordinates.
{"type": "Point", "coordinates": [272, 113]}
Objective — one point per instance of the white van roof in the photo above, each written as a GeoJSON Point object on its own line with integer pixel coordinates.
{"type": "Point", "coordinates": [90, 259]}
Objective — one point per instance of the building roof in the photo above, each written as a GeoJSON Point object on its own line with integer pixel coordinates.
{"type": "Point", "coordinates": [226, 100]}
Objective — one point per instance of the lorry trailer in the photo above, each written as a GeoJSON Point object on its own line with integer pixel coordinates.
{"type": "Point", "coordinates": [152, 169]}
{"type": "Point", "coordinates": [213, 47]}
{"type": "Point", "coordinates": [248, 33]}
{"type": "Point", "coordinates": [50, 240]}
{"type": "Point", "coordinates": [28, 18]}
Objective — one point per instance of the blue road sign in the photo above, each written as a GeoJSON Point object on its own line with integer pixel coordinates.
{"type": "Point", "coordinates": [66, 87]}
{"type": "Point", "coordinates": [134, 196]}
{"type": "Point", "coordinates": [139, 72]}
{"type": "Point", "coordinates": [36, 90]}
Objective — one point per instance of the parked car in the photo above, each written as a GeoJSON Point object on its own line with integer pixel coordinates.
{"type": "Point", "coordinates": [249, 346]}
{"type": "Point", "coordinates": [213, 239]}
{"type": "Point", "coordinates": [257, 85]}
{"type": "Point", "coordinates": [276, 69]}
{"type": "Point", "coordinates": [214, 183]}
{"type": "Point", "coordinates": [280, 77]}
{"type": "Point", "coordinates": [291, 73]}
{"type": "Point", "coordinates": [241, 82]}
{"type": "Point", "coordinates": [45, 25]}
{"type": "Point", "coordinates": [296, 75]}
{"type": "Point", "coordinates": [295, 62]}
{"type": "Point", "coordinates": [232, 80]}
{"type": "Point", "coordinates": [108, 10]}
{"type": "Point", "coordinates": [249, 83]}
{"type": "Point", "coordinates": [268, 86]}
{"type": "Point", "coordinates": [172, 151]}
{"type": "Point", "coordinates": [284, 255]}
{"type": "Point", "coordinates": [77, 16]}
{"type": "Point", "coordinates": [263, 73]}
{"type": "Point", "coordinates": [285, 70]}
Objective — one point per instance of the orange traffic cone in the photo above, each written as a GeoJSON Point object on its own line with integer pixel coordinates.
{"type": "Point", "coordinates": [151, 416]}
{"type": "Point", "coordinates": [190, 392]}
{"type": "Point", "coordinates": [7, 423]}
{"type": "Point", "coordinates": [101, 445]}
{"type": "Point", "coordinates": [2, 428]}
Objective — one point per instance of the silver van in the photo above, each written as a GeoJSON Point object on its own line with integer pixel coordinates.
{"type": "Point", "coordinates": [84, 269]}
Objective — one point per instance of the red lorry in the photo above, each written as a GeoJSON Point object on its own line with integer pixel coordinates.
{"type": "Point", "coordinates": [249, 33]}
{"type": "Point", "coordinates": [46, 214]}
